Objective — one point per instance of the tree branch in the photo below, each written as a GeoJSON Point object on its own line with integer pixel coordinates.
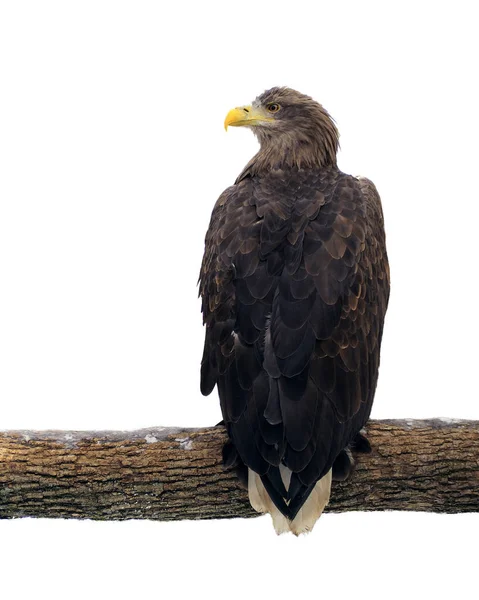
{"type": "Point", "coordinates": [170, 474]}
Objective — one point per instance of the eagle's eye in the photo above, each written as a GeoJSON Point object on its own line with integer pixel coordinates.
{"type": "Point", "coordinates": [273, 107]}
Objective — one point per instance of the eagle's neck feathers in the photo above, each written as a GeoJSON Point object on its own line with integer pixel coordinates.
{"type": "Point", "coordinates": [312, 143]}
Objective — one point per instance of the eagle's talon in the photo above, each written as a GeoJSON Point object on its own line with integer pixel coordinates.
{"type": "Point", "coordinates": [242, 472]}
{"type": "Point", "coordinates": [343, 465]}
{"type": "Point", "coordinates": [230, 455]}
{"type": "Point", "coordinates": [361, 443]}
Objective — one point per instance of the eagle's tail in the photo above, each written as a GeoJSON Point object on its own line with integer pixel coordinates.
{"type": "Point", "coordinates": [308, 514]}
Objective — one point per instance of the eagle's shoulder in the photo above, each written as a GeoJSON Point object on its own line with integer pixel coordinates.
{"type": "Point", "coordinates": [376, 248]}
{"type": "Point", "coordinates": [371, 196]}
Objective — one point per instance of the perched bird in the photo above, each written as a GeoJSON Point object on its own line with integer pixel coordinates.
{"type": "Point", "coordinates": [294, 285]}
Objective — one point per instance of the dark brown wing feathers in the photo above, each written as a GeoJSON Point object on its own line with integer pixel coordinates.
{"type": "Point", "coordinates": [295, 285]}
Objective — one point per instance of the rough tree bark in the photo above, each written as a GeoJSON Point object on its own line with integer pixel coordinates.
{"type": "Point", "coordinates": [170, 474]}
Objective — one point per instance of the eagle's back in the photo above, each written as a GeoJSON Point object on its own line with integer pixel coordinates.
{"type": "Point", "coordinates": [295, 285]}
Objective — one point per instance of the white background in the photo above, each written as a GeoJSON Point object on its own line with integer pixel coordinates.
{"type": "Point", "coordinates": [112, 154]}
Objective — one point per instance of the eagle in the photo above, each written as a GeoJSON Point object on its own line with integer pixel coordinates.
{"type": "Point", "coordinates": [294, 285]}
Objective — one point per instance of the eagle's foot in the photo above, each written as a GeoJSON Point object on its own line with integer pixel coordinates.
{"type": "Point", "coordinates": [361, 443]}
{"type": "Point", "coordinates": [343, 465]}
{"type": "Point", "coordinates": [233, 462]}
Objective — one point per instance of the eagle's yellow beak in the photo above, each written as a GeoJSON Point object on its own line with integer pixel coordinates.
{"type": "Point", "coordinates": [245, 115]}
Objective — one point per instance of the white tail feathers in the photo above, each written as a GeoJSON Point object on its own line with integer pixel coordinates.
{"type": "Point", "coordinates": [307, 515]}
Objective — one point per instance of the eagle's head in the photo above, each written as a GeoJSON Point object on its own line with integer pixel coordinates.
{"type": "Point", "coordinates": [291, 127]}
